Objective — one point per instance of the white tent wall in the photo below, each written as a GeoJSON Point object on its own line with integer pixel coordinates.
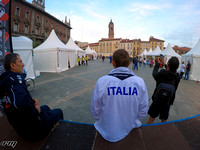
{"type": "Point", "coordinates": [23, 46]}
{"type": "Point", "coordinates": [195, 63]}
{"type": "Point", "coordinates": [27, 59]}
{"type": "Point", "coordinates": [62, 60]}
{"type": "Point", "coordinates": [72, 58]}
{"type": "Point", "coordinates": [46, 60]}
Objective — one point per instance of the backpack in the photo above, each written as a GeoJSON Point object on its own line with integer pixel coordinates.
{"type": "Point", "coordinates": [163, 94]}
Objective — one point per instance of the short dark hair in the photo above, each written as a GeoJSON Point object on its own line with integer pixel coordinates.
{"type": "Point", "coordinates": [121, 58]}
{"type": "Point", "coordinates": [10, 58]}
{"type": "Point", "coordinates": [173, 64]}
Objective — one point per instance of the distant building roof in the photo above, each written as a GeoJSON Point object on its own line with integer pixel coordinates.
{"type": "Point", "coordinates": [126, 41]}
{"type": "Point", "coordinates": [105, 39]}
{"type": "Point", "coordinates": [181, 48]}
{"type": "Point", "coordinates": [154, 39]}
{"type": "Point", "coordinates": [93, 44]}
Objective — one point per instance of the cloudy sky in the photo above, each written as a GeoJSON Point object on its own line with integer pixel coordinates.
{"type": "Point", "coordinates": [175, 21]}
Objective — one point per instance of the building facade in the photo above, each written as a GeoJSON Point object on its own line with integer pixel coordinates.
{"type": "Point", "coordinates": [181, 50]}
{"type": "Point", "coordinates": [107, 46]}
{"type": "Point", "coordinates": [33, 21]}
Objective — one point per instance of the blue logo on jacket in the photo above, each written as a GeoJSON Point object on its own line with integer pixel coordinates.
{"type": "Point", "coordinates": [122, 90]}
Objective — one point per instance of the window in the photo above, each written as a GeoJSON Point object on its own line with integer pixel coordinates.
{"type": "Point", "coordinates": [17, 11]}
{"type": "Point", "coordinates": [38, 19]}
{"type": "Point", "coordinates": [46, 23]}
{"type": "Point", "coordinates": [26, 29]}
{"type": "Point", "coordinates": [27, 15]}
{"type": "Point", "coordinates": [16, 26]}
{"type": "Point", "coordinates": [52, 25]}
{"type": "Point", "coordinates": [37, 31]}
{"type": "Point", "coordinates": [46, 33]}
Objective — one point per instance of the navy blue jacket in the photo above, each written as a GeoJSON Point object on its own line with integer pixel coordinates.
{"type": "Point", "coordinates": [18, 104]}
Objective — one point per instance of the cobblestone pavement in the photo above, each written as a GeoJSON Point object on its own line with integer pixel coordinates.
{"type": "Point", "coordinates": [71, 91]}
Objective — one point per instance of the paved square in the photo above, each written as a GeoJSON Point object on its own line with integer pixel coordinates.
{"type": "Point", "coordinates": [71, 91]}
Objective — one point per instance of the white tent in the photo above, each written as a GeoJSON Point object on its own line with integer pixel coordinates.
{"type": "Point", "coordinates": [52, 55]}
{"type": "Point", "coordinates": [194, 57]}
{"type": "Point", "coordinates": [150, 51]}
{"type": "Point", "coordinates": [89, 51]}
{"type": "Point", "coordinates": [168, 52]}
{"type": "Point", "coordinates": [143, 54]}
{"type": "Point", "coordinates": [94, 54]}
{"type": "Point", "coordinates": [78, 51]}
{"type": "Point", "coordinates": [23, 46]}
{"type": "Point", "coordinates": [156, 52]}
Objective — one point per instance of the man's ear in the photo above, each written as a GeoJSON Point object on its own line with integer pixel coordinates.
{"type": "Point", "coordinates": [113, 63]}
{"type": "Point", "coordinates": [12, 66]}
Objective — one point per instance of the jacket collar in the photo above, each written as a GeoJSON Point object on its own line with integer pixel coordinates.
{"type": "Point", "coordinates": [124, 70]}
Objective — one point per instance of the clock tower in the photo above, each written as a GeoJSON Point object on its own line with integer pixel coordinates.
{"type": "Point", "coordinates": [39, 4]}
{"type": "Point", "coordinates": [111, 30]}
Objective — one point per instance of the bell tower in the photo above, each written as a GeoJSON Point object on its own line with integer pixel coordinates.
{"type": "Point", "coordinates": [39, 4]}
{"type": "Point", "coordinates": [111, 30]}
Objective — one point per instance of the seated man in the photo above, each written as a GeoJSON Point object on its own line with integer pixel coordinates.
{"type": "Point", "coordinates": [119, 100]}
{"type": "Point", "coordinates": [30, 120]}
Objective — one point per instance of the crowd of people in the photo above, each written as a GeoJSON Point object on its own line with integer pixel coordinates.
{"type": "Point", "coordinates": [118, 102]}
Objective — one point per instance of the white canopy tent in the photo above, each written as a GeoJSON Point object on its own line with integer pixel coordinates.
{"type": "Point", "coordinates": [78, 51]}
{"type": "Point", "coordinates": [194, 57]}
{"type": "Point", "coordinates": [95, 54]}
{"type": "Point", "coordinates": [23, 46]}
{"type": "Point", "coordinates": [52, 55]}
{"type": "Point", "coordinates": [150, 51]}
{"type": "Point", "coordinates": [89, 51]}
{"type": "Point", "coordinates": [168, 52]}
{"type": "Point", "coordinates": [156, 52]}
{"type": "Point", "coordinates": [143, 54]}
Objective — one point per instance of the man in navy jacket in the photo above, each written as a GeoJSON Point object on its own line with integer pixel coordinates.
{"type": "Point", "coordinates": [24, 113]}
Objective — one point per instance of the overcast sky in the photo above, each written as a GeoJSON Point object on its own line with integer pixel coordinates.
{"type": "Point", "coordinates": [175, 21]}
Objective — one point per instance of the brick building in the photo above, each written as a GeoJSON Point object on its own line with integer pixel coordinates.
{"type": "Point", "coordinates": [181, 50]}
{"type": "Point", "coordinates": [33, 21]}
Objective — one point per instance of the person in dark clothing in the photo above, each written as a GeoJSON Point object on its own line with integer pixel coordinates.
{"type": "Point", "coordinates": [24, 113]}
{"type": "Point", "coordinates": [168, 76]}
{"type": "Point", "coordinates": [187, 72]}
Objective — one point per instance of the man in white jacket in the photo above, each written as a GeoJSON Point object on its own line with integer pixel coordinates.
{"type": "Point", "coordinates": [119, 100]}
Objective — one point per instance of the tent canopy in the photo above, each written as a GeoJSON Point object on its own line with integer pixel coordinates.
{"type": "Point", "coordinates": [89, 51]}
{"type": "Point", "coordinates": [71, 45]}
{"type": "Point", "coordinates": [22, 43]}
{"type": "Point", "coordinates": [150, 51]}
{"type": "Point", "coordinates": [195, 50]}
{"type": "Point", "coordinates": [156, 52]}
{"type": "Point", "coordinates": [144, 52]}
{"type": "Point", "coordinates": [53, 55]}
{"type": "Point", "coordinates": [52, 42]}
{"type": "Point", "coordinates": [169, 52]}
{"type": "Point", "coordinates": [194, 57]}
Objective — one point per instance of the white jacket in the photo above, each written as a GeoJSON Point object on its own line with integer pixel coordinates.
{"type": "Point", "coordinates": [117, 104]}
